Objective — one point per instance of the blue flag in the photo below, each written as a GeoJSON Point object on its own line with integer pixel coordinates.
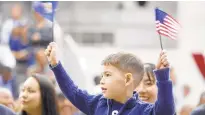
{"type": "Point", "coordinates": [46, 9]}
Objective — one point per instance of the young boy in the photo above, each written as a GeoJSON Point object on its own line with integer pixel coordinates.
{"type": "Point", "coordinates": [122, 72]}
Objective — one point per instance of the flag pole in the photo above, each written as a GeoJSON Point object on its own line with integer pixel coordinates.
{"type": "Point", "coordinates": [160, 39]}
{"type": "Point", "coordinates": [53, 28]}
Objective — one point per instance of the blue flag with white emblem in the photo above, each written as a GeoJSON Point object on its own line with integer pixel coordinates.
{"type": "Point", "coordinates": [46, 9]}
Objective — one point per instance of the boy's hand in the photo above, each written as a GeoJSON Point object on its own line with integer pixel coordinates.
{"type": "Point", "coordinates": [163, 61]}
{"type": "Point", "coordinates": [51, 54]}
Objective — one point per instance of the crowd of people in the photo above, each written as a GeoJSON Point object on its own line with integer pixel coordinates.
{"type": "Point", "coordinates": [25, 43]}
{"type": "Point", "coordinates": [127, 86]}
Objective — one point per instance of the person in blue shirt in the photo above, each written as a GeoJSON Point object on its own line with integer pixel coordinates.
{"type": "Point", "coordinates": [19, 48]}
{"type": "Point", "coordinates": [8, 80]}
{"type": "Point", "coordinates": [122, 72]}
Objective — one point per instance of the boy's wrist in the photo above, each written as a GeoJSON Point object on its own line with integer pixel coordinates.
{"type": "Point", "coordinates": [162, 74]}
{"type": "Point", "coordinates": [54, 65]}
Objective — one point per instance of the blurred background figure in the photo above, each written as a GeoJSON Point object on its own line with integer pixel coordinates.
{"type": "Point", "coordinates": [20, 48]}
{"type": "Point", "coordinates": [173, 76]}
{"type": "Point", "coordinates": [65, 106]}
{"type": "Point", "coordinates": [182, 98]}
{"type": "Point", "coordinates": [6, 98]}
{"type": "Point", "coordinates": [96, 89]}
{"type": "Point", "coordinates": [186, 110]}
{"type": "Point", "coordinates": [200, 110]}
{"type": "Point", "coordinates": [39, 35]}
{"type": "Point", "coordinates": [14, 21]}
{"type": "Point", "coordinates": [186, 90]}
{"type": "Point", "coordinates": [202, 99]}
{"type": "Point", "coordinates": [8, 80]}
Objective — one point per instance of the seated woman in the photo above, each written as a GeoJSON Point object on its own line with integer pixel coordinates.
{"type": "Point", "coordinates": [20, 48]}
{"type": "Point", "coordinates": [147, 90]}
{"type": "Point", "coordinates": [39, 36]}
{"type": "Point", "coordinates": [38, 97]}
{"type": "Point", "coordinates": [23, 51]}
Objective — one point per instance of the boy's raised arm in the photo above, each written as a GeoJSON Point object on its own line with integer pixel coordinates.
{"type": "Point", "coordinates": [165, 100]}
{"type": "Point", "coordinates": [81, 99]}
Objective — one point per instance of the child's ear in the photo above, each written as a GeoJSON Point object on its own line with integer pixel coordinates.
{"type": "Point", "coordinates": [128, 78]}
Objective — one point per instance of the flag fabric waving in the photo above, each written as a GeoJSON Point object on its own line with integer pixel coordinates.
{"type": "Point", "coordinates": [46, 9]}
{"type": "Point", "coordinates": [166, 25]}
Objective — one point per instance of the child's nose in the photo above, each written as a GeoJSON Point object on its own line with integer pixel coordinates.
{"type": "Point", "coordinates": [102, 81]}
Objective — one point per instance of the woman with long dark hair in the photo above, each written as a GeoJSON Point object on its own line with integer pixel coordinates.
{"type": "Point", "coordinates": [38, 97]}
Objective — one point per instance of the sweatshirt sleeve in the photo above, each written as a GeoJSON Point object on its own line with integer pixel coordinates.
{"type": "Point", "coordinates": [165, 100]}
{"type": "Point", "coordinates": [81, 99]}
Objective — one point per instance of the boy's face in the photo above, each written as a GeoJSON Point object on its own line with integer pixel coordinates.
{"type": "Point", "coordinates": [113, 82]}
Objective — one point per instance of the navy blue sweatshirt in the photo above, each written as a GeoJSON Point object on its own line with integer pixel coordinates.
{"type": "Point", "coordinates": [99, 105]}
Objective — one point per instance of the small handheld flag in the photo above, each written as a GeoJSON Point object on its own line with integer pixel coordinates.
{"type": "Point", "coordinates": [166, 25]}
{"type": "Point", "coordinates": [47, 10]}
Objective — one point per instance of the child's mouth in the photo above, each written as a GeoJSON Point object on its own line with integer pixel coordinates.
{"type": "Point", "coordinates": [103, 89]}
{"type": "Point", "coordinates": [143, 98]}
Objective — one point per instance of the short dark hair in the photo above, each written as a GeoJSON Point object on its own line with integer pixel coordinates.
{"type": "Point", "coordinates": [48, 96]}
{"type": "Point", "coordinates": [126, 62]}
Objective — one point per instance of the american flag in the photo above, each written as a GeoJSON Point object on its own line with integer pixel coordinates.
{"type": "Point", "coordinates": [166, 25]}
